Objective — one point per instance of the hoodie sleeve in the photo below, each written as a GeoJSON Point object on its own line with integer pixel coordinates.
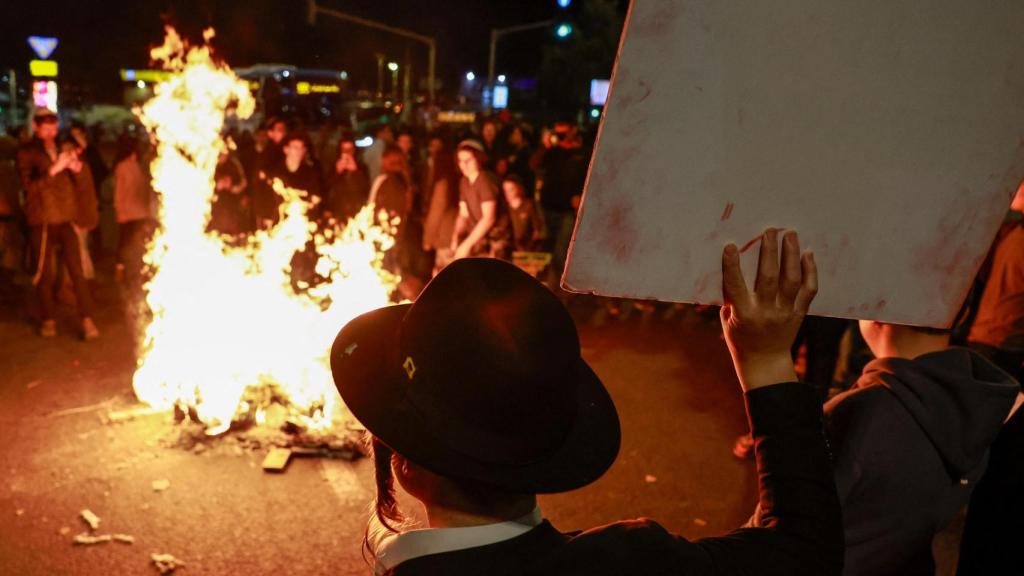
{"type": "Point", "coordinates": [798, 529]}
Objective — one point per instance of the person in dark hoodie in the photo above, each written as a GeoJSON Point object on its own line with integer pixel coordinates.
{"type": "Point", "coordinates": [909, 441]}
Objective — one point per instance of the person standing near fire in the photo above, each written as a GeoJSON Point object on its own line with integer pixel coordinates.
{"type": "Point", "coordinates": [391, 193]}
{"type": "Point", "coordinates": [53, 180]}
{"type": "Point", "coordinates": [481, 228]}
{"type": "Point", "coordinates": [230, 211]}
{"type": "Point", "coordinates": [563, 173]}
{"type": "Point", "coordinates": [297, 171]}
{"type": "Point", "coordinates": [348, 185]}
{"type": "Point", "coordinates": [527, 223]}
{"type": "Point", "coordinates": [264, 199]}
{"type": "Point", "coordinates": [135, 208]}
{"type": "Point", "coordinates": [11, 238]}
{"type": "Point", "coordinates": [87, 216]}
{"type": "Point", "coordinates": [442, 208]}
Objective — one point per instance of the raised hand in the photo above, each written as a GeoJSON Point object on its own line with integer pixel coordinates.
{"type": "Point", "coordinates": [760, 326]}
{"type": "Point", "coordinates": [61, 163]}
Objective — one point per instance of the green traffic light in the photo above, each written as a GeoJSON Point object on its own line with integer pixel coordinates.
{"type": "Point", "coordinates": [563, 30]}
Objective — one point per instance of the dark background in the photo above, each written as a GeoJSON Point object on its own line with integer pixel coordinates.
{"type": "Point", "coordinates": [98, 38]}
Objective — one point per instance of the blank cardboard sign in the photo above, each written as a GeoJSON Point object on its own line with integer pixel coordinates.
{"type": "Point", "coordinates": [887, 132]}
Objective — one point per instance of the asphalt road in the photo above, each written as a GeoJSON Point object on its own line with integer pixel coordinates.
{"type": "Point", "coordinates": [680, 406]}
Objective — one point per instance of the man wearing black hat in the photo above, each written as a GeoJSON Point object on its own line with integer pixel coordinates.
{"type": "Point", "coordinates": [477, 399]}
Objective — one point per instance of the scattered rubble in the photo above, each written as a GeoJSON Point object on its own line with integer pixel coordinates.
{"type": "Point", "coordinates": [90, 538]}
{"type": "Point", "coordinates": [86, 539]}
{"type": "Point", "coordinates": [129, 414]}
{"type": "Point", "coordinates": [19, 512]}
{"type": "Point", "coordinates": [82, 409]}
{"type": "Point", "coordinates": [91, 519]}
{"type": "Point", "coordinates": [165, 563]}
{"type": "Point", "coordinates": [161, 485]}
{"type": "Point", "coordinates": [278, 432]}
{"type": "Point", "coordinates": [650, 479]}
{"type": "Point", "coordinates": [700, 522]}
{"type": "Point", "coordinates": [277, 459]}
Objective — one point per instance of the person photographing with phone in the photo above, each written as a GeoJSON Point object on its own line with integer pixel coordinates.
{"type": "Point", "coordinates": [477, 400]}
{"type": "Point", "coordinates": [55, 190]}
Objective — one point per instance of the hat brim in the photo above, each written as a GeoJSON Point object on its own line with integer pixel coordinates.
{"type": "Point", "coordinates": [368, 375]}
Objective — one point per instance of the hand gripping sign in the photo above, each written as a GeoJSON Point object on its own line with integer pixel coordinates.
{"type": "Point", "coordinates": [888, 133]}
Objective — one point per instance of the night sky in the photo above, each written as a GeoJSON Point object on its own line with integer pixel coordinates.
{"type": "Point", "coordinates": [98, 38]}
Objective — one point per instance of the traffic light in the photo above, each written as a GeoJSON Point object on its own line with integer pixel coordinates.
{"type": "Point", "coordinates": [564, 28]}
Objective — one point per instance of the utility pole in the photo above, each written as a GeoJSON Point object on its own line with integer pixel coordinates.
{"type": "Point", "coordinates": [498, 33]}
{"type": "Point", "coordinates": [12, 85]}
{"type": "Point", "coordinates": [380, 75]}
{"type": "Point", "coordinates": [406, 82]}
{"type": "Point", "coordinates": [393, 67]}
{"type": "Point", "coordinates": [313, 9]}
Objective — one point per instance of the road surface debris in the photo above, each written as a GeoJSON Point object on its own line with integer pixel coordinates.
{"type": "Point", "coordinates": [165, 563]}
{"type": "Point", "coordinates": [91, 519]}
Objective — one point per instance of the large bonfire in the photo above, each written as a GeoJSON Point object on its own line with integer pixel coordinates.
{"type": "Point", "coordinates": [226, 327]}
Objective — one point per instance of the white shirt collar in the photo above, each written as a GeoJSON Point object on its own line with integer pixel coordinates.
{"type": "Point", "coordinates": [398, 548]}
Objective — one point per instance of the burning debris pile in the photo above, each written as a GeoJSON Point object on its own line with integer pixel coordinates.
{"type": "Point", "coordinates": [228, 336]}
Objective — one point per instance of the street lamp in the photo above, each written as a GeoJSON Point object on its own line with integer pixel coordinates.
{"type": "Point", "coordinates": [393, 67]}
{"type": "Point", "coordinates": [470, 76]}
{"type": "Point", "coordinates": [501, 78]}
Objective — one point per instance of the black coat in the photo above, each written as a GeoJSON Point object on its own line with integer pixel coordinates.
{"type": "Point", "coordinates": [799, 533]}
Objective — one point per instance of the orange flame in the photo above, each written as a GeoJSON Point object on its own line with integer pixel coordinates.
{"type": "Point", "coordinates": [225, 319]}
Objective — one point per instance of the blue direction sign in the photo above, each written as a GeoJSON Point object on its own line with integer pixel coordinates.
{"type": "Point", "coordinates": [43, 46]}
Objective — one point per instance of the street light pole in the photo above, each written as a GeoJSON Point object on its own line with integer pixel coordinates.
{"type": "Point", "coordinates": [393, 67]}
{"type": "Point", "coordinates": [380, 75]}
{"type": "Point", "coordinates": [497, 33]}
{"type": "Point", "coordinates": [13, 87]}
{"type": "Point", "coordinates": [313, 9]}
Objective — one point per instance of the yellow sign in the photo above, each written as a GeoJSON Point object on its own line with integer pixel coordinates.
{"type": "Point", "coordinates": [152, 76]}
{"type": "Point", "coordinates": [456, 117]}
{"type": "Point", "coordinates": [304, 88]}
{"type": "Point", "coordinates": [532, 263]}
{"type": "Point", "coordinates": [43, 68]}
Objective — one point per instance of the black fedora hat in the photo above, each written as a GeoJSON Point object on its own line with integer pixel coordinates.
{"type": "Point", "coordinates": [480, 379]}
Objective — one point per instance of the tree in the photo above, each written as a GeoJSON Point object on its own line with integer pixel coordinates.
{"type": "Point", "coordinates": [589, 52]}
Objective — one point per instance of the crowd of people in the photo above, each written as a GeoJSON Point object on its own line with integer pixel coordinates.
{"type": "Point", "coordinates": [495, 189]}
{"type": "Point", "coordinates": [50, 191]}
